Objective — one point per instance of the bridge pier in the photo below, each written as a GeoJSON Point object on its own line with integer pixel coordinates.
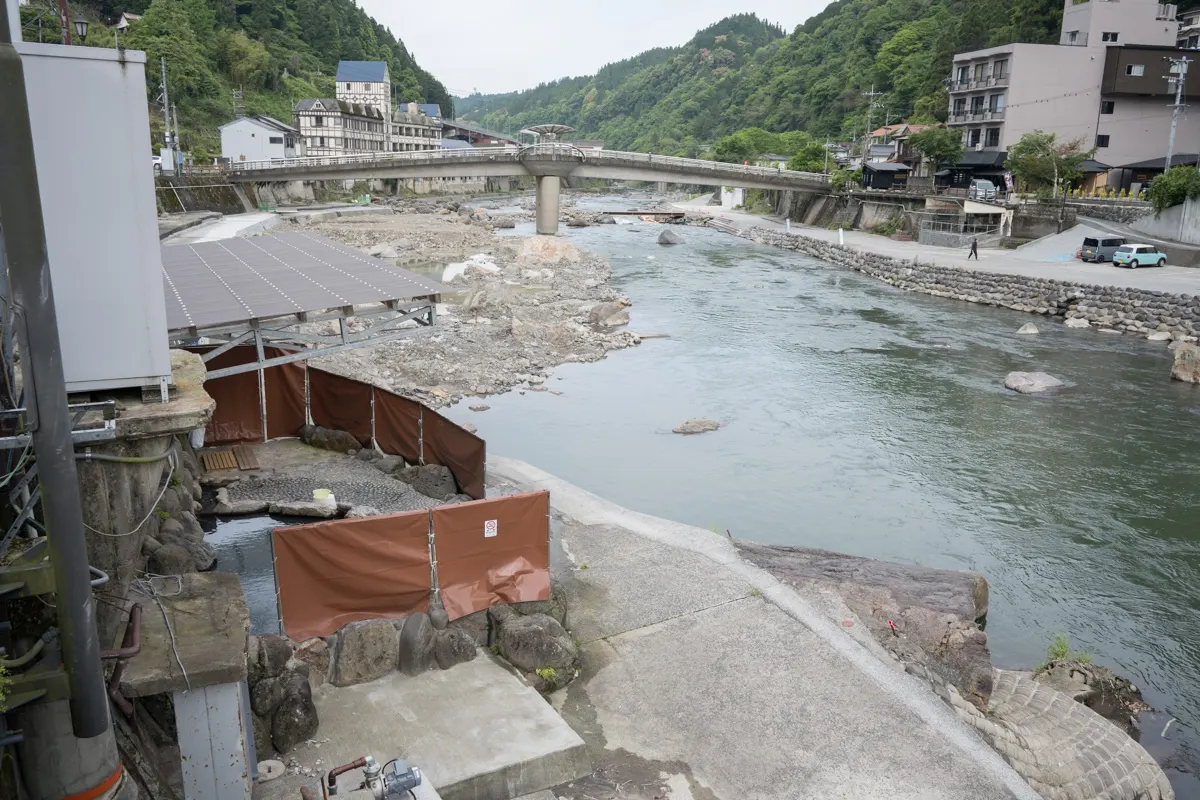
{"type": "Point", "coordinates": [547, 204]}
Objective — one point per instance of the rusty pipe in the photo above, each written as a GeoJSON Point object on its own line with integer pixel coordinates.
{"type": "Point", "coordinates": [114, 691]}
{"type": "Point", "coordinates": [307, 793]}
{"type": "Point", "coordinates": [131, 644]}
{"type": "Point", "coordinates": [331, 779]}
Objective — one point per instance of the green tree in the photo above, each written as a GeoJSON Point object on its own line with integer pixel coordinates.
{"type": "Point", "coordinates": [1041, 160]}
{"type": "Point", "coordinates": [939, 145]}
{"type": "Point", "coordinates": [1173, 187]}
{"type": "Point", "coordinates": [245, 61]}
{"type": "Point", "coordinates": [735, 149]}
{"type": "Point", "coordinates": [165, 31]}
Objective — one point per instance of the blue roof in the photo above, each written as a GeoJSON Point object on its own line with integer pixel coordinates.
{"type": "Point", "coordinates": [430, 109]}
{"type": "Point", "coordinates": [456, 144]}
{"type": "Point", "coordinates": [362, 71]}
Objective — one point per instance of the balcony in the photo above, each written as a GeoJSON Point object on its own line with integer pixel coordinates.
{"type": "Point", "coordinates": [1074, 39]}
{"type": "Point", "coordinates": [987, 82]}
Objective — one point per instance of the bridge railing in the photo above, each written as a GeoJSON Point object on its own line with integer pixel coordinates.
{"type": "Point", "coordinates": [544, 150]}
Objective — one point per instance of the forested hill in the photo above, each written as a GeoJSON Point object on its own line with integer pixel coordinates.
{"type": "Point", "coordinates": [276, 51]}
{"type": "Point", "coordinates": [741, 72]}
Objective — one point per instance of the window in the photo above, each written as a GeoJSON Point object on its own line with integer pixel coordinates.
{"type": "Point", "coordinates": [367, 86]}
{"type": "Point", "coordinates": [1102, 140]}
{"type": "Point", "coordinates": [318, 122]}
{"type": "Point", "coordinates": [992, 138]}
{"type": "Point", "coordinates": [1000, 69]}
{"type": "Point", "coordinates": [972, 137]}
{"type": "Point", "coordinates": [977, 105]}
{"type": "Point", "coordinates": [322, 141]}
{"type": "Point", "coordinates": [1107, 106]}
{"type": "Point", "coordinates": [347, 87]}
{"type": "Point", "coordinates": [1135, 70]}
{"type": "Point", "coordinates": [1109, 36]}
{"type": "Point", "coordinates": [1072, 37]}
{"type": "Point", "coordinates": [996, 103]}
{"type": "Point", "coordinates": [964, 74]}
{"type": "Point", "coordinates": [979, 72]}
{"type": "Point", "coordinates": [276, 140]}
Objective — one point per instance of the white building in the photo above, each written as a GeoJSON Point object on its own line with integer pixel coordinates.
{"type": "Point", "coordinates": [331, 127]}
{"type": "Point", "coordinates": [366, 83]}
{"type": "Point", "coordinates": [258, 138]}
{"type": "Point", "coordinates": [414, 130]}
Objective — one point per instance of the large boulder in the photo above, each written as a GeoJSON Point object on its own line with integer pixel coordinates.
{"type": "Point", "coordinates": [295, 718]}
{"type": "Point", "coordinates": [1187, 363]}
{"type": "Point", "coordinates": [274, 652]}
{"type": "Point", "coordinates": [555, 607]}
{"type": "Point", "coordinates": [493, 295]}
{"type": "Point", "coordinates": [305, 508]}
{"type": "Point", "coordinates": [1028, 328]}
{"type": "Point", "coordinates": [315, 653]}
{"type": "Point", "coordinates": [365, 651]}
{"type": "Point", "coordinates": [1077, 322]}
{"type": "Point", "coordinates": [669, 236]}
{"type": "Point", "coordinates": [431, 480]}
{"type": "Point", "coordinates": [1031, 382]}
{"type": "Point", "coordinates": [389, 464]}
{"type": "Point", "coordinates": [477, 626]}
{"type": "Point", "coordinates": [698, 425]}
{"type": "Point", "coordinates": [171, 559]}
{"type": "Point", "coordinates": [536, 641]}
{"type": "Point", "coordinates": [326, 439]}
{"type": "Point", "coordinates": [383, 251]}
{"type": "Point", "coordinates": [416, 644]}
{"type": "Point", "coordinates": [577, 222]}
{"type": "Point", "coordinates": [453, 646]}
{"type": "Point", "coordinates": [262, 737]}
{"type": "Point", "coordinates": [267, 694]}
{"type": "Point", "coordinates": [606, 219]}
{"type": "Point", "coordinates": [601, 313]}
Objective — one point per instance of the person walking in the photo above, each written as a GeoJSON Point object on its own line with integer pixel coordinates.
{"type": "Point", "coordinates": [974, 249]}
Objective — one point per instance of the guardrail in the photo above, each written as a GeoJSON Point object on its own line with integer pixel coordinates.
{"type": "Point", "coordinates": [545, 150]}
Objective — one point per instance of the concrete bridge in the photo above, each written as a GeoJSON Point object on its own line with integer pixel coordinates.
{"type": "Point", "coordinates": [550, 163]}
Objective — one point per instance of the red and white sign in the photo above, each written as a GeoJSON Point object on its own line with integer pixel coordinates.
{"type": "Point", "coordinates": [491, 528]}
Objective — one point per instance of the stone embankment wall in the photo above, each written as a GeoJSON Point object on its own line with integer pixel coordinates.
{"type": "Point", "coordinates": [1036, 221]}
{"type": "Point", "coordinates": [1163, 315]}
{"type": "Point", "coordinates": [208, 192]}
{"type": "Point", "coordinates": [1111, 210]}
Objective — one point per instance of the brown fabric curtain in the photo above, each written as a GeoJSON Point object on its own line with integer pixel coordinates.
{"type": "Point", "coordinates": [493, 551]}
{"type": "Point", "coordinates": [237, 417]}
{"type": "Point", "coordinates": [341, 404]}
{"type": "Point", "coordinates": [397, 425]}
{"type": "Point", "coordinates": [333, 573]}
{"type": "Point", "coordinates": [451, 446]}
{"type": "Point", "coordinates": [285, 398]}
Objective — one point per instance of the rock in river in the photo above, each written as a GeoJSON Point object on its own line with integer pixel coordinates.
{"type": "Point", "coordinates": [669, 237]}
{"type": "Point", "coordinates": [1028, 327]}
{"type": "Point", "coordinates": [1031, 382]}
{"type": "Point", "coordinates": [698, 425]}
{"type": "Point", "coordinates": [1077, 322]}
{"type": "Point", "coordinates": [1187, 364]}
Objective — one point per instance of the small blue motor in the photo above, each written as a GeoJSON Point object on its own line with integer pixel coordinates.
{"type": "Point", "coordinates": [394, 780]}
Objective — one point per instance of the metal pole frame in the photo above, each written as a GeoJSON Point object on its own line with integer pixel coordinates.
{"type": "Point", "coordinates": [45, 386]}
{"type": "Point", "coordinates": [262, 383]}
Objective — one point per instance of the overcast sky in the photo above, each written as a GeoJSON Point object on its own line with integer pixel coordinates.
{"type": "Point", "coordinates": [503, 46]}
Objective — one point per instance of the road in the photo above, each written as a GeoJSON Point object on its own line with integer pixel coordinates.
{"type": "Point", "coordinates": [1049, 257]}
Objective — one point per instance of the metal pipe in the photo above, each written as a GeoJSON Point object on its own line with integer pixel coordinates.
{"type": "Point", "coordinates": [99, 577]}
{"type": "Point", "coordinates": [331, 779]}
{"type": "Point", "coordinates": [88, 455]}
{"type": "Point", "coordinates": [131, 644]}
{"type": "Point", "coordinates": [29, 272]}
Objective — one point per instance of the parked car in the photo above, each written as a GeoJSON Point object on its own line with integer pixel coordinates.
{"type": "Point", "coordinates": [982, 190]}
{"type": "Point", "coordinates": [1100, 249]}
{"type": "Point", "coordinates": [1138, 255]}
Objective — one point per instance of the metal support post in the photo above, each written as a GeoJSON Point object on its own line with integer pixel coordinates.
{"type": "Point", "coordinates": [262, 382]}
{"type": "Point", "coordinates": [45, 388]}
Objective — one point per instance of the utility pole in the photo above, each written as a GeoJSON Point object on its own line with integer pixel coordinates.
{"type": "Point", "coordinates": [826, 155]}
{"type": "Point", "coordinates": [871, 95]}
{"type": "Point", "coordinates": [166, 102]}
{"type": "Point", "coordinates": [1178, 76]}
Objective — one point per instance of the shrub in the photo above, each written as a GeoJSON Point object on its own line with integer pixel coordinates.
{"type": "Point", "coordinates": [1173, 187]}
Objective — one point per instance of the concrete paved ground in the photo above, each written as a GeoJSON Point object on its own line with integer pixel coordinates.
{"type": "Point", "coordinates": [226, 227]}
{"type": "Point", "coordinates": [706, 678]}
{"type": "Point", "coordinates": [476, 731]}
{"type": "Point", "coordinates": [1048, 257]}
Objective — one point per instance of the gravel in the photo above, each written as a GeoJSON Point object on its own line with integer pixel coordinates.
{"type": "Point", "coordinates": [353, 482]}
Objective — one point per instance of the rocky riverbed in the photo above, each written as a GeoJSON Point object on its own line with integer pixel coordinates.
{"type": "Point", "coordinates": [520, 306]}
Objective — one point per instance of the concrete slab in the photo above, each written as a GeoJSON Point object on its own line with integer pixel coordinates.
{"type": "Point", "coordinates": [476, 731]}
{"type": "Point", "coordinates": [622, 588]}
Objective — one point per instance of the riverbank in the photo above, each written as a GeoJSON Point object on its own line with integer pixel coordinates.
{"type": "Point", "coordinates": [748, 686]}
{"type": "Point", "coordinates": [521, 306]}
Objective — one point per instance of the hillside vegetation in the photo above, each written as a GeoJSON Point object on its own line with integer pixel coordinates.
{"type": "Point", "coordinates": [743, 72]}
{"type": "Point", "coordinates": [276, 51]}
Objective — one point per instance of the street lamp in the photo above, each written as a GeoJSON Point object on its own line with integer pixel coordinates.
{"type": "Point", "coordinates": [81, 29]}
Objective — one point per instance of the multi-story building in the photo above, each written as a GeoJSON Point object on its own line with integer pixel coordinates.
{"type": "Point", "coordinates": [366, 83]}
{"type": "Point", "coordinates": [1189, 29]}
{"type": "Point", "coordinates": [1104, 85]}
{"type": "Point", "coordinates": [414, 130]}
{"type": "Point", "coordinates": [331, 127]}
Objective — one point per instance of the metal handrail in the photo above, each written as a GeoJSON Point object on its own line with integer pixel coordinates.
{"type": "Point", "coordinates": [515, 153]}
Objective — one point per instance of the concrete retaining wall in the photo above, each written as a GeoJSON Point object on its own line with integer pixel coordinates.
{"type": "Point", "coordinates": [1179, 223]}
{"type": "Point", "coordinates": [1127, 310]}
{"type": "Point", "coordinates": [1036, 221]}
{"type": "Point", "coordinates": [1111, 210]}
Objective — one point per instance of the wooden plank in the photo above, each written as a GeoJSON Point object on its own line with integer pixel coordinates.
{"type": "Point", "coordinates": [216, 460]}
{"type": "Point", "coordinates": [245, 457]}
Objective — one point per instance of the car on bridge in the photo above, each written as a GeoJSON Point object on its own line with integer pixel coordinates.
{"type": "Point", "coordinates": [1138, 255]}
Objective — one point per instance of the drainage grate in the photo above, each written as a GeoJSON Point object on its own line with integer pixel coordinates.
{"type": "Point", "coordinates": [215, 460]}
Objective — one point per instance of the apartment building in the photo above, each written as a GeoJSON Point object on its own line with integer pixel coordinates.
{"type": "Point", "coordinates": [1103, 84]}
{"type": "Point", "coordinates": [1189, 30]}
{"type": "Point", "coordinates": [414, 130]}
{"type": "Point", "coordinates": [330, 127]}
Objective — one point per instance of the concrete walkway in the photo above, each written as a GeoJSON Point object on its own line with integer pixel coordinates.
{"type": "Point", "coordinates": [1048, 257]}
{"type": "Point", "coordinates": [226, 227]}
{"type": "Point", "coordinates": [707, 678]}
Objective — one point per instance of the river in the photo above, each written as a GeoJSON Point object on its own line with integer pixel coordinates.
{"type": "Point", "coordinates": [859, 418]}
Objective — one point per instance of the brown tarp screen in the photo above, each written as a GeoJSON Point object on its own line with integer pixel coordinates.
{"type": "Point", "coordinates": [238, 416]}
{"type": "Point", "coordinates": [285, 399]}
{"type": "Point", "coordinates": [450, 446]}
{"type": "Point", "coordinates": [493, 551]}
{"type": "Point", "coordinates": [333, 573]}
{"type": "Point", "coordinates": [342, 404]}
{"type": "Point", "coordinates": [398, 426]}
